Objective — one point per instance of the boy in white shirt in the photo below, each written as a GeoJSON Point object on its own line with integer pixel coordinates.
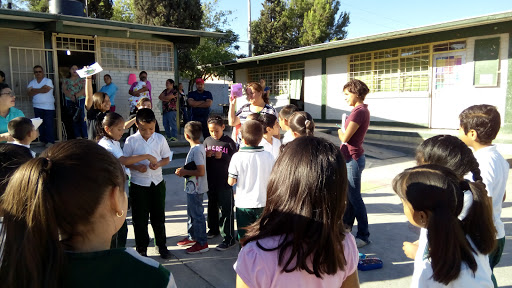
{"type": "Point", "coordinates": [284, 115]}
{"type": "Point", "coordinates": [250, 169]}
{"type": "Point", "coordinates": [147, 187]}
{"type": "Point", "coordinates": [23, 132]}
{"type": "Point", "coordinates": [479, 125]}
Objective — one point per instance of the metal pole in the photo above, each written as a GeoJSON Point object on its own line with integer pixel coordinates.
{"type": "Point", "coordinates": [249, 28]}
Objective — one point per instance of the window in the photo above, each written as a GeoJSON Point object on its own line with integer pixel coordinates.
{"type": "Point", "coordinates": [137, 55]}
{"type": "Point", "coordinates": [75, 44]}
{"type": "Point", "coordinates": [277, 77]}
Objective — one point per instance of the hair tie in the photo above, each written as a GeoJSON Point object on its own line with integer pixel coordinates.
{"type": "Point", "coordinates": [48, 164]}
{"type": "Point", "coordinates": [307, 122]}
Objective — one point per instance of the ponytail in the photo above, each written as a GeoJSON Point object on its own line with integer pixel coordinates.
{"type": "Point", "coordinates": [48, 204]}
{"type": "Point", "coordinates": [302, 123]}
{"type": "Point", "coordinates": [436, 191]}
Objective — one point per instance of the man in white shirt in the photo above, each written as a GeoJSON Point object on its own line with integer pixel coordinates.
{"type": "Point", "coordinates": [41, 91]}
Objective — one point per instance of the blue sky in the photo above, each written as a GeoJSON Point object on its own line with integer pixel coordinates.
{"type": "Point", "coordinates": [368, 17]}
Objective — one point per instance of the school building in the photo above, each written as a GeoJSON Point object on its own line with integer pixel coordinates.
{"type": "Point", "coordinates": [419, 77]}
{"type": "Point", "coordinates": [57, 41]}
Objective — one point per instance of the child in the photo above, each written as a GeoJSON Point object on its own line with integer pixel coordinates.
{"type": "Point", "coordinates": [97, 105]}
{"type": "Point", "coordinates": [144, 102]}
{"type": "Point", "coordinates": [301, 124]}
{"type": "Point", "coordinates": [250, 169]}
{"type": "Point", "coordinates": [147, 186]}
{"type": "Point", "coordinates": [110, 134]}
{"type": "Point", "coordinates": [479, 125]}
{"type": "Point", "coordinates": [433, 198]}
{"type": "Point", "coordinates": [195, 186]}
{"type": "Point", "coordinates": [169, 98]}
{"type": "Point", "coordinates": [23, 132]}
{"type": "Point", "coordinates": [284, 115]}
{"type": "Point", "coordinates": [299, 241]}
{"type": "Point", "coordinates": [219, 149]}
{"type": "Point", "coordinates": [61, 210]}
{"type": "Point", "coordinates": [270, 142]}
{"type": "Point", "coordinates": [476, 215]}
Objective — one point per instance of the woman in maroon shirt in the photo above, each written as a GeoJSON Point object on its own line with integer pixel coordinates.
{"type": "Point", "coordinates": [352, 138]}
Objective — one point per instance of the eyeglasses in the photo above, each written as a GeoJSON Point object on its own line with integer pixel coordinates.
{"type": "Point", "coordinates": [8, 93]}
{"type": "Point", "coordinates": [38, 71]}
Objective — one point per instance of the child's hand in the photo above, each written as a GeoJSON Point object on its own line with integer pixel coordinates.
{"type": "Point", "coordinates": [410, 249]}
{"type": "Point", "coordinates": [232, 101]}
{"type": "Point", "coordinates": [209, 153]}
{"type": "Point", "coordinates": [154, 166]}
{"type": "Point", "coordinates": [141, 168]}
{"type": "Point", "coordinates": [218, 154]}
{"type": "Point", "coordinates": [179, 172]}
{"type": "Point", "coordinates": [152, 159]}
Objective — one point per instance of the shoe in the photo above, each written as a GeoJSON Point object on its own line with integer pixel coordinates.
{"type": "Point", "coordinates": [142, 252]}
{"type": "Point", "coordinates": [198, 248]}
{"type": "Point", "coordinates": [361, 243]}
{"type": "Point", "coordinates": [164, 252]}
{"type": "Point", "coordinates": [211, 235]}
{"type": "Point", "coordinates": [173, 139]}
{"type": "Point", "coordinates": [186, 242]}
{"type": "Point", "coordinates": [224, 246]}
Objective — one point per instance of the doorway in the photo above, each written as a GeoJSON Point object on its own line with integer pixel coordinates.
{"type": "Point", "coordinates": [297, 88]}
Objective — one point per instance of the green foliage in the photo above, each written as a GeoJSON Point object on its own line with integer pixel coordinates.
{"type": "Point", "coordinates": [123, 11]}
{"type": "Point", "coordinates": [37, 5]}
{"type": "Point", "coordinates": [100, 9]}
{"type": "Point", "coordinates": [285, 25]}
{"type": "Point", "coordinates": [171, 13]}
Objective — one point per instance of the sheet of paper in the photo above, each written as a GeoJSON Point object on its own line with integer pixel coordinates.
{"type": "Point", "coordinates": [90, 70]}
{"type": "Point", "coordinates": [343, 120]}
{"type": "Point", "coordinates": [36, 122]}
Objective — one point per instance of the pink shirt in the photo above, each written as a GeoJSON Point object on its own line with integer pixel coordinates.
{"type": "Point", "coordinates": [259, 268]}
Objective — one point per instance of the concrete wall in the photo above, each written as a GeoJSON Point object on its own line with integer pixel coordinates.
{"type": "Point", "coordinates": [220, 93]}
{"type": "Point", "coordinates": [313, 88]}
{"type": "Point", "coordinates": [336, 77]}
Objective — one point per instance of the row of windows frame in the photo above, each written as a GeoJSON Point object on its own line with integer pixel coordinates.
{"type": "Point", "coordinates": [279, 73]}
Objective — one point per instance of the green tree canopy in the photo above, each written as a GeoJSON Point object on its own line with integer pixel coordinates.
{"type": "Point", "coordinates": [96, 8]}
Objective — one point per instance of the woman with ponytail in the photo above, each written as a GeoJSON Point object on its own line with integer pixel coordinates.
{"type": "Point", "coordinates": [352, 137]}
{"type": "Point", "coordinates": [476, 214]}
{"type": "Point", "coordinates": [301, 124]}
{"type": "Point", "coordinates": [433, 198]}
{"type": "Point", "coordinates": [59, 223]}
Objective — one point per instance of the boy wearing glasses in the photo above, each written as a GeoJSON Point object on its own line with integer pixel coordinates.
{"type": "Point", "coordinates": [41, 89]}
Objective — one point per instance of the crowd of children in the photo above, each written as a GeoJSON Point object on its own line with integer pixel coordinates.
{"type": "Point", "coordinates": [65, 211]}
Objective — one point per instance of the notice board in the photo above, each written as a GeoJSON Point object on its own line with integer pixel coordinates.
{"type": "Point", "coordinates": [487, 62]}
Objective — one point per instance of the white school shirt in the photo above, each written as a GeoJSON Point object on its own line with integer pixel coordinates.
{"type": "Point", "coordinates": [494, 170]}
{"type": "Point", "coordinates": [113, 147]}
{"type": "Point", "coordinates": [251, 167]}
{"type": "Point", "coordinates": [43, 100]}
{"type": "Point", "coordinates": [156, 146]}
{"type": "Point", "coordinates": [288, 136]}
{"type": "Point", "coordinates": [16, 142]}
{"type": "Point", "coordinates": [422, 275]}
{"type": "Point", "coordinates": [273, 148]}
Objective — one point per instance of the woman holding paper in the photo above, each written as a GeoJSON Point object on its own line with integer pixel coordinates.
{"type": "Point", "coordinates": [352, 136]}
{"type": "Point", "coordinates": [257, 104]}
{"type": "Point", "coordinates": [7, 111]}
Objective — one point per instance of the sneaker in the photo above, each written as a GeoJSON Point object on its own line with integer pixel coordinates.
{"type": "Point", "coordinates": [173, 139]}
{"type": "Point", "coordinates": [361, 243]}
{"type": "Point", "coordinates": [186, 242]}
{"type": "Point", "coordinates": [164, 252]}
{"type": "Point", "coordinates": [224, 246]}
{"type": "Point", "coordinates": [142, 252]}
{"type": "Point", "coordinates": [198, 248]}
{"type": "Point", "coordinates": [211, 235]}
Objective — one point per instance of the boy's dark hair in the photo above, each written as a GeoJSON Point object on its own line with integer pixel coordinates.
{"type": "Point", "coordinates": [484, 119]}
{"type": "Point", "coordinates": [145, 115]}
{"type": "Point", "coordinates": [287, 111]}
{"type": "Point", "coordinates": [357, 87]}
{"type": "Point", "coordinates": [194, 130]}
{"type": "Point", "coordinates": [2, 74]}
{"type": "Point", "coordinates": [267, 120]}
{"type": "Point", "coordinates": [11, 157]}
{"type": "Point", "coordinates": [20, 127]}
{"type": "Point", "coordinates": [252, 132]}
{"type": "Point", "coordinates": [306, 199]}
{"type": "Point", "coordinates": [111, 119]}
{"type": "Point", "coordinates": [253, 116]}
{"type": "Point", "coordinates": [215, 119]}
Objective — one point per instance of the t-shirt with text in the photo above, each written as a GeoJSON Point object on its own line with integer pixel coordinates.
{"type": "Point", "coordinates": [218, 168]}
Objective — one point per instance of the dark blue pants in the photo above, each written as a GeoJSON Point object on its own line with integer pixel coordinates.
{"type": "Point", "coordinates": [355, 204]}
{"type": "Point", "coordinates": [47, 129]}
{"type": "Point", "coordinates": [80, 127]}
{"type": "Point", "coordinates": [204, 124]}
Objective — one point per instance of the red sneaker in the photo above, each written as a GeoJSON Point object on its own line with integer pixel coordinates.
{"type": "Point", "coordinates": [198, 248]}
{"type": "Point", "coordinates": [186, 242]}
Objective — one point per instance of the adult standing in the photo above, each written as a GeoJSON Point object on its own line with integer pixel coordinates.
{"type": "Point", "coordinates": [258, 103]}
{"type": "Point", "coordinates": [41, 89]}
{"type": "Point", "coordinates": [7, 111]}
{"type": "Point", "coordinates": [200, 102]}
{"type": "Point", "coordinates": [356, 126]}
{"type": "Point", "coordinates": [111, 89]}
{"type": "Point", "coordinates": [139, 89]}
{"type": "Point", "coordinates": [74, 91]}
{"type": "Point", "coordinates": [169, 98]}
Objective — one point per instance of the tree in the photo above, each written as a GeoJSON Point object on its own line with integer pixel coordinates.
{"type": "Point", "coordinates": [37, 5]}
{"type": "Point", "coordinates": [269, 32]}
{"type": "Point", "coordinates": [123, 11]}
{"type": "Point", "coordinates": [171, 13]}
{"type": "Point", "coordinates": [319, 23]}
{"type": "Point", "coordinates": [96, 8]}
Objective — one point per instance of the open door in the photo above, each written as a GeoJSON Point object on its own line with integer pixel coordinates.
{"type": "Point", "coordinates": [297, 88]}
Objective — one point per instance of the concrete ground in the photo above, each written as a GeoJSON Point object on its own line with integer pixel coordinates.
{"type": "Point", "coordinates": [388, 228]}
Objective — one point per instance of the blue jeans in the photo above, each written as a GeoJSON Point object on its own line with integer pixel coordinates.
{"type": "Point", "coordinates": [170, 124]}
{"type": "Point", "coordinates": [80, 127]}
{"type": "Point", "coordinates": [196, 220]}
{"type": "Point", "coordinates": [355, 204]}
{"type": "Point", "coordinates": [47, 129]}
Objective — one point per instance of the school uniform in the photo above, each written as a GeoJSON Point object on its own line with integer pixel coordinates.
{"type": "Point", "coordinates": [147, 190]}
{"type": "Point", "coordinates": [273, 148]}
{"type": "Point", "coordinates": [288, 137]}
{"type": "Point", "coordinates": [251, 167]}
{"type": "Point", "coordinates": [16, 142]}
